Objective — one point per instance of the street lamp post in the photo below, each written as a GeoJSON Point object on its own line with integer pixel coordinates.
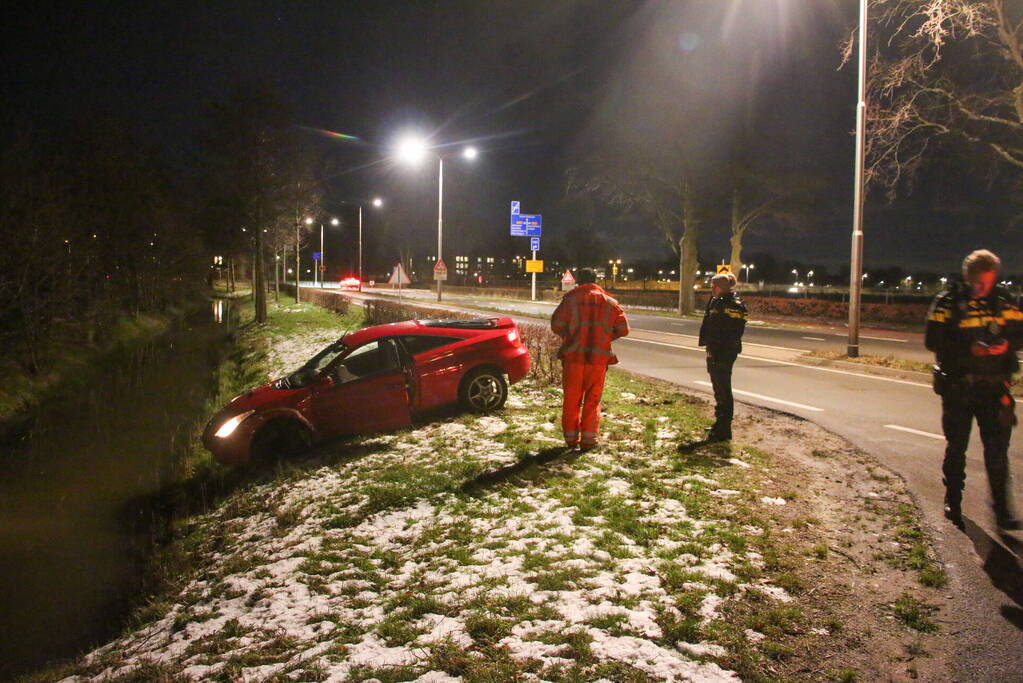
{"type": "Point", "coordinates": [614, 263]}
{"type": "Point", "coordinates": [411, 150]}
{"type": "Point", "coordinates": [298, 261]}
{"type": "Point", "coordinates": [856, 265]}
{"type": "Point", "coordinates": [377, 202]}
{"type": "Point", "coordinates": [323, 257]}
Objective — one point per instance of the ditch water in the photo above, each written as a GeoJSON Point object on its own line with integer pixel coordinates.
{"type": "Point", "coordinates": [74, 527]}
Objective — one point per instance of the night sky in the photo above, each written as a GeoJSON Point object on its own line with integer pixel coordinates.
{"type": "Point", "coordinates": [536, 85]}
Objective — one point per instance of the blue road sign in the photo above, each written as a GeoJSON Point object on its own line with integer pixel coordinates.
{"type": "Point", "coordinates": [515, 209]}
{"type": "Point", "coordinates": [316, 255]}
{"type": "Point", "coordinates": [534, 244]}
{"type": "Point", "coordinates": [526, 225]}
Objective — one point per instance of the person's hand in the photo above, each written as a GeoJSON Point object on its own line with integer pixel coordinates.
{"type": "Point", "coordinates": [998, 349]}
{"type": "Point", "coordinates": [982, 349]}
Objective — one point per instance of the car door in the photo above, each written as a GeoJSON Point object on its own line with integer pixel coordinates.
{"type": "Point", "coordinates": [365, 391]}
{"type": "Point", "coordinates": [435, 369]}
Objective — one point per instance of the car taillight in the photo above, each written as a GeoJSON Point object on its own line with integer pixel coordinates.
{"type": "Point", "coordinates": [513, 337]}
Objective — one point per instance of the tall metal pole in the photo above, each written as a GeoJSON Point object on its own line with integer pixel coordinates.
{"type": "Point", "coordinates": [440, 217]}
{"type": "Point", "coordinates": [533, 296]}
{"type": "Point", "coordinates": [322, 259]}
{"type": "Point", "coordinates": [856, 265]}
{"type": "Point", "coordinates": [298, 269]}
{"type": "Point", "coordinates": [360, 247]}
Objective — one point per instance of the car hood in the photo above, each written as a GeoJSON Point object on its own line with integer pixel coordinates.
{"type": "Point", "coordinates": [259, 397]}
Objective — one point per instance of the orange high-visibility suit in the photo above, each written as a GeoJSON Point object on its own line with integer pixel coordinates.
{"type": "Point", "coordinates": [587, 320]}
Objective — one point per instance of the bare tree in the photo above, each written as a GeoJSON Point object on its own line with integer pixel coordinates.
{"type": "Point", "coordinates": [944, 71]}
{"type": "Point", "coordinates": [258, 173]}
{"type": "Point", "coordinates": [668, 199]}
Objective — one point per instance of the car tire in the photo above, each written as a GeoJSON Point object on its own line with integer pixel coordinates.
{"type": "Point", "coordinates": [279, 440]}
{"type": "Point", "coordinates": [483, 390]}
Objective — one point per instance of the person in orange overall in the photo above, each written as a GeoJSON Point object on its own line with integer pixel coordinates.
{"type": "Point", "coordinates": [587, 320]}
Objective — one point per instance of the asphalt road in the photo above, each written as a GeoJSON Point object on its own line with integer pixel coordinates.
{"type": "Point", "coordinates": [898, 421]}
{"type": "Point", "coordinates": [874, 342]}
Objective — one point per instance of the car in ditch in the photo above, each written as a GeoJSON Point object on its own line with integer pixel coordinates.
{"type": "Point", "coordinates": [372, 380]}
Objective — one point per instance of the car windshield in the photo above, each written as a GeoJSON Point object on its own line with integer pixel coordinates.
{"type": "Point", "coordinates": [314, 366]}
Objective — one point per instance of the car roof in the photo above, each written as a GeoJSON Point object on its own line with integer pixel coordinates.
{"type": "Point", "coordinates": [426, 327]}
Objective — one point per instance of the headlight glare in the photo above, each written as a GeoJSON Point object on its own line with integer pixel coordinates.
{"type": "Point", "coordinates": [228, 427]}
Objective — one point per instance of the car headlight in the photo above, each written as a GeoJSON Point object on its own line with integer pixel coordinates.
{"type": "Point", "coordinates": [228, 427]}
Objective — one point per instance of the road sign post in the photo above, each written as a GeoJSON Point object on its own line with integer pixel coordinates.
{"type": "Point", "coordinates": [398, 277]}
{"type": "Point", "coordinates": [567, 281]}
{"type": "Point", "coordinates": [526, 225]}
{"type": "Point", "coordinates": [440, 273]}
{"type": "Point", "coordinates": [533, 296]}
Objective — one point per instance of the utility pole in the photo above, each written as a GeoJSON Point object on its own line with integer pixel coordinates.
{"type": "Point", "coordinates": [856, 265]}
{"type": "Point", "coordinates": [440, 217]}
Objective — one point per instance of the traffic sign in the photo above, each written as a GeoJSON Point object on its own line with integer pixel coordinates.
{"type": "Point", "coordinates": [724, 268]}
{"type": "Point", "coordinates": [398, 277]}
{"type": "Point", "coordinates": [567, 278]}
{"type": "Point", "coordinates": [317, 255]}
{"type": "Point", "coordinates": [526, 225]}
{"type": "Point", "coordinates": [534, 266]}
{"type": "Point", "coordinates": [440, 271]}
{"type": "Point", "coordinates": [534, 244]}
{"type": "Point", "coordinates": [515, 209]}
{"type": "Point", "coordinates": [323, 268]}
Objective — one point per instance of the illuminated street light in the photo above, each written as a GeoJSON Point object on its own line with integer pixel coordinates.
{"type": "Point", "coordinates": [614, 263]}
{"type": "Point", "coordinates": [411, 149]}
{"type": "Point", "coordinates": [377, 202]}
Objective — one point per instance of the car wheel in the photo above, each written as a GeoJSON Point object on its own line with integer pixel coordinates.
{"type": "Point", "coordinates": [483, 390]}
{"type": "Point", "coordinates": [279, 440]}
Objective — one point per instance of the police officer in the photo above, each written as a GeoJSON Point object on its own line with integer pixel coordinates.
{"type": "Point", "coordinates": [975, 330]}
{"type": "Point", "coordinates": [721, 332]}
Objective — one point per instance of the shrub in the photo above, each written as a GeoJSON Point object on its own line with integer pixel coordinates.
{"type": "Point", "coordinates": [326, 299]}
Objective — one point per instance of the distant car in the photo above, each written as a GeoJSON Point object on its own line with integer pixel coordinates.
{"type": "Point", "coordinates": [350, 283]}
{"type": "Point", "coordinates": [372, 380]}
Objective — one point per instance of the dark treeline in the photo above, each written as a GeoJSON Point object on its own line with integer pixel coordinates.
{"type": "Point", "coordinates": [96, 223]}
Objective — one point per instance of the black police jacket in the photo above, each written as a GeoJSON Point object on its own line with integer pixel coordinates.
{"type": "Point", "coordinates": [956, 321]}
{"type": "Point", "coordinates": [724, 321]}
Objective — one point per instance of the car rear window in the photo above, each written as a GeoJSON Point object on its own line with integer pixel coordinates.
{"type": "Point", "coordinates": [418, 343]}
{"type": "Point", "coordinates": [473, 324]}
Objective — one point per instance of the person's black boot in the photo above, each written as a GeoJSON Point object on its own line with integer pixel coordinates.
{"type": "Point", "coordinates": [718, 433]}
{"type": "Point", "coordinates": [954, 507]}
{"type": "Point", "coordinates": [1003, 506]}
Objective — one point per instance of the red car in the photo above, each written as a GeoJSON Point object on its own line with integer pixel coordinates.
{"type": "Point", "coordinates": [373, 380]}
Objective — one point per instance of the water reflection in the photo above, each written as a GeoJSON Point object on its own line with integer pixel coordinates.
{"type": "Point", "coordinates": [69, 557]}
{"type": "Point", "coordinates": [218, 310]}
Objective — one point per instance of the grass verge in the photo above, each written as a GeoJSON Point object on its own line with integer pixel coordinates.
{"type": "Point", "coordinates": [476, 547]}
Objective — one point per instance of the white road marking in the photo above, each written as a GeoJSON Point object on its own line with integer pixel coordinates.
{"type": "Point", "coordinates": [815, 338]}
{"type": "Point", "coordinates": [770, 398]}
{"type": "Point", "coordinates": [693, 336]}
{"type": "Point", "coordinates": [891, 339]}
{"type": "Point", "coordinates": [900, 428]}
{"type": "Point", "coordinates": [782, 362]}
